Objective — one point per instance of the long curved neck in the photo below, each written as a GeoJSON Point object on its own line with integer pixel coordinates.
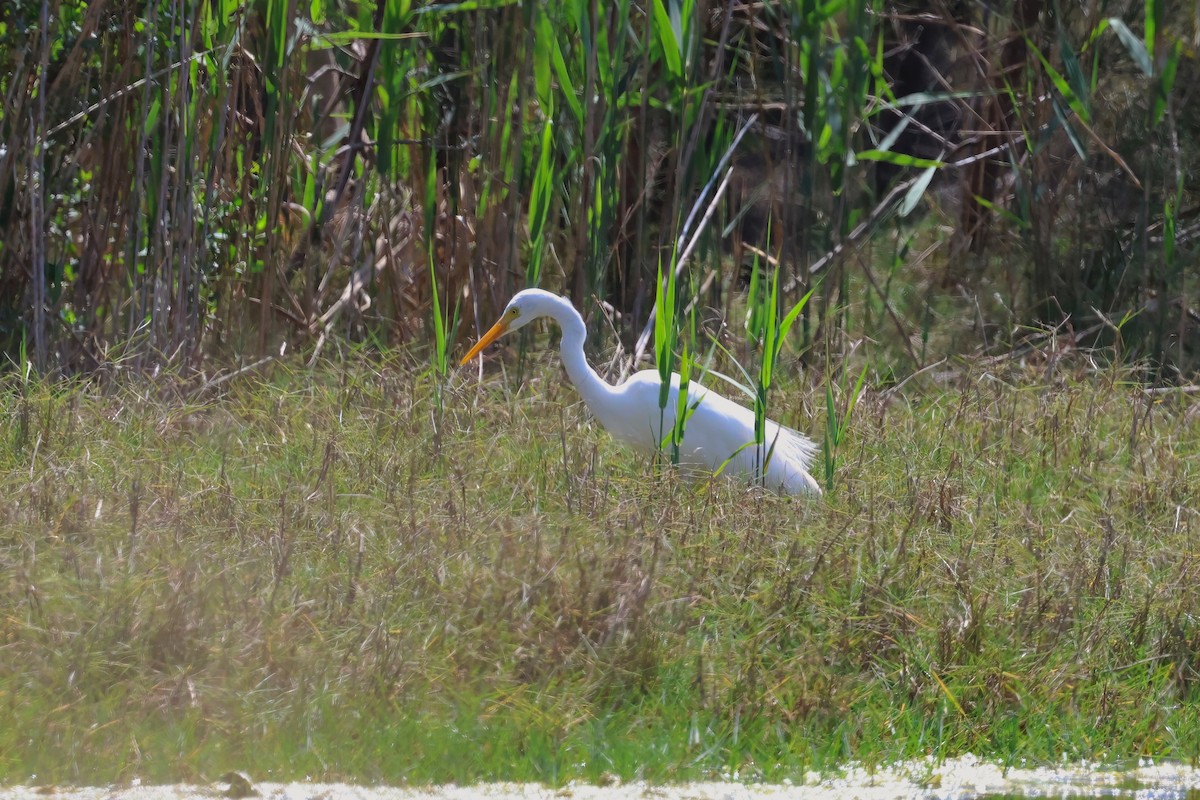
{"type": "Point", "coordinates": [592, 388]}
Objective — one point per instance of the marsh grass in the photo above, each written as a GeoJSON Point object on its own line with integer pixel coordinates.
{"type": "Point", "coordinates": [294, 578]}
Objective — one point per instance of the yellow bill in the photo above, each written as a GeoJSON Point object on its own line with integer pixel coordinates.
{"type": "Point", "coordinates": [492, 335]}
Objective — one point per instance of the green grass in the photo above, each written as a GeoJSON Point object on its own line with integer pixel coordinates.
{"type": "Point", "coordinates": [296, 578]}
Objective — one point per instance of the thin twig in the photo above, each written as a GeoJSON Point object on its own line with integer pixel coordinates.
{"type": "Point", "coordinates": [640, 349]}
{"type": "Point", "coordinates": [880, 211]}
{"type": "Point", "coordinates": [119, 93]}
{"type": "Point", "coordinates": [37, 167]}
{"type": "Point", "coordinates": [215, 382]}
{"type": "Point", "coordinates": [1157, 390]}
{"type": "Point", "coordinates": [891, 390]}
{"type": "Point", "coordinates": [644, 338]}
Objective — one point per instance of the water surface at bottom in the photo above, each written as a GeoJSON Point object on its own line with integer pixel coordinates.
{"type": "Point", "coordinates": [964, 778]}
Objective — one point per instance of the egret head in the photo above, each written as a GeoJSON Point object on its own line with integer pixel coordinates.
{"type": "Point", "coordinates": [524, 308]}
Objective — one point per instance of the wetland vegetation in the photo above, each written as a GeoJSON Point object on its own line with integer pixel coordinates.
{"type": "Point", "coordinates": [301, 577]}
{"type": "Point", "coordinates": [251, 518]}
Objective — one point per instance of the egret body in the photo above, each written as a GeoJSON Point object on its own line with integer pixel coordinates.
{"type": "Point", "coordinates": [719, 434]}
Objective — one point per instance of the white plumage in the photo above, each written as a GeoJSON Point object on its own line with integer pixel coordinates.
{"type": "Point", "coordinates": [719, 434]}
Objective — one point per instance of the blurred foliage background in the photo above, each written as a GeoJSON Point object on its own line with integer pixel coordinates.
{"type": "Point", "coordinates": [189, 183]}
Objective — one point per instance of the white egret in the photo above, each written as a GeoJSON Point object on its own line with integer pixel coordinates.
{"type": "Point", "coordinates": [719, 434]}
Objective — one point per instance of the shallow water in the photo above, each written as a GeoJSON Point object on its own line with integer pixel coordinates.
{"type": "Point", "coordinates": [964, 778]}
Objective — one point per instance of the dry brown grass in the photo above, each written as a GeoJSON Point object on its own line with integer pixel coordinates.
{"type": "Point", "coordinates": [294, 576]}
